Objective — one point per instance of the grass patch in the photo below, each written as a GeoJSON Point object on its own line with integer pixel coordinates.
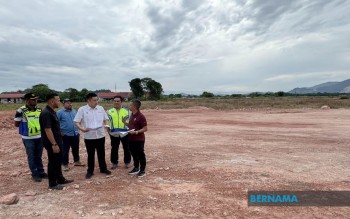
{"type": "Point", "coordinates": [226, 103]}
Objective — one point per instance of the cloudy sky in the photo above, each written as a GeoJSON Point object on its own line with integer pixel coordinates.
{"type": "Point", "coordinates": [188, 46]}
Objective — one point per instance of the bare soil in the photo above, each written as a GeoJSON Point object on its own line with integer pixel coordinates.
{"type": "Point", "coordinates": [200, 164]}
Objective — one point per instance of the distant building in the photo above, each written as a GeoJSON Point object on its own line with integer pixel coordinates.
{"type": "Point", "coordinates": [105, 96]}
{"type": "Point", "coordinates": [11, 98]}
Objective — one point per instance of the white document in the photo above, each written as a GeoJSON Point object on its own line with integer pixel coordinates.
{"type": "Point", "coordinates": [121, 134]}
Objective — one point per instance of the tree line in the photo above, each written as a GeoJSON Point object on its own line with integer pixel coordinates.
{"type": "Point", "coordinates": [144, 89]}
{"type": "Point", "coordinates": [149, 89]}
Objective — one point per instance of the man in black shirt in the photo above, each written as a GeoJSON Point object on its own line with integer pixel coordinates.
{"type": "Point", "coordinates": [52, 141]}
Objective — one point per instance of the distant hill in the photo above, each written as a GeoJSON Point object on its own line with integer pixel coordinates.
{"type": "Point", "coordinates": [328, 87]}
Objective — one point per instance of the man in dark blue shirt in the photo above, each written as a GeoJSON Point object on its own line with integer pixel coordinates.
{"type": "Point", "coordinates": [70, 134]}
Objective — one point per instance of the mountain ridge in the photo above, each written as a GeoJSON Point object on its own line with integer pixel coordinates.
{"type": "Point", "coordinates": [327, 87]}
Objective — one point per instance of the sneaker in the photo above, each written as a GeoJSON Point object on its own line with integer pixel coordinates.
{"type": "Point", "coordinates": [78, 163]}
{"type": "Point", "coordinates": [107, 172]}
{"type": "Point", "coordinates": [114, 166]}
{"type": "Point", "coordinates": [141, 174]}
{"type": "Point", "coordinates": [65, 168]}
{"type": "Point", "coordinates": [127, 165]}
{"type": "Point", "coordinates": [66, 181]}
{"type": "Point", "coordinates": [88, 175]}
{"type": "Point", "coordinates": [134, 171]}
{"type": "Point", "coordinates": [56, 187]}
{"type": "Point", "coordinates": [43, 175]}
{"type": "Point", "coordinates": [36, 178]}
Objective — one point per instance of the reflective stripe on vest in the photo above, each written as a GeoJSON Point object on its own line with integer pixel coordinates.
{"type": "Point", "coordinates": [33, 124]}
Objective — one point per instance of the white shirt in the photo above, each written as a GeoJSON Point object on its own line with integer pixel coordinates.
{"type": "Point", "coordinates": [92, 118]}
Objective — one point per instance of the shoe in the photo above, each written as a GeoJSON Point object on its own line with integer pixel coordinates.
{"type": "Point", "coordinates": [134, 171]}
{"type": "Point", "coordinates": [65, 168]}
{"type": "Point", "coordinates": [107, 172]}
{"type": "Point", "coordinates": [127, 165]}
{"type": "Point", "coordinates": [36, 178]}
{"type": "Point", "coordinates": [56, 187]}
{"type": "Point", "coordinates": [66, 181]}
{"type": "Point", "coordinates": [88, 175]}
{"type": "Point", "coordinates": [141, 174]}
{"type": "Point", "coordinates": [43, 175]}
{"type": "Point", "coordinates": [78, 163]}
{"type": "Point", "coordinates": [114, 166]}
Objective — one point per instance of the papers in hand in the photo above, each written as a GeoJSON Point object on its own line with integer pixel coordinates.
{"type": "Point", "coordinates": [120, 133]}
{"type": "Point", "coordinates": [123, 134]}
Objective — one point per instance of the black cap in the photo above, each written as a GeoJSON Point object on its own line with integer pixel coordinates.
{"type": "Point", "coordinates": [30, 96]}
{"type": "Point", "coordinates": [66, 100]}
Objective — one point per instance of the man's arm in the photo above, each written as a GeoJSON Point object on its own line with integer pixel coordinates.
{"type": "Point", "coordinates": [143, 124]}
{"type": "Point", "coordinates": [52, 140]}
{"type": "Point", "coordinates": [18, 117]}
{"type": "Point", "coordinates": [143, 130]}
{"type": "Point", "coordinates": [106, 122]}
{"type": "Point", "coordinates": [124, 120]}
{"type": "Point", "coordinates": [17, 123]}
{"type": "Point", "coordinates": [77, 120]}
{"type": "Point", "coordinates": [80, 127]}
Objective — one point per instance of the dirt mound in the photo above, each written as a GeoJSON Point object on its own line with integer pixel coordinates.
{"type": "Point", "coordinates": [7, 121]}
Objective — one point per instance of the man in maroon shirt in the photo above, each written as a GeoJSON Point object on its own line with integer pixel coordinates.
{"type": "Point", "coordinates": [138, 126]}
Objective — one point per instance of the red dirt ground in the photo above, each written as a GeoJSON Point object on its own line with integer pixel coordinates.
{"type": "Point", "coordinates": [201, 163]}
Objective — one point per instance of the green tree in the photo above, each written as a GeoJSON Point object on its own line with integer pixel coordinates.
{"type": "Point", "coordinates": [154, 89]}
{"type": "Point", "coordinates": [146, 87]}
{"type": "Point", "coordinates": [136, 87]}
{"type": "Point", "coordinates": [82, 94]}
{"type": "Point", "coordinates": [236, 95]}
{"type": "Point", "coordinates": [102, 90]}
{"type": "Point", "coordinates": [207, 94]}
{"type": "Point", "coordinates": [144, 84]}
{"type": "Point", "coordinates": [255, 94]}
{"type": "Point", "coordinates": [280, 94]}
{"type": "Point", "coordinates": [41, 90]}
{"type": "Point", "coordinates": [70, 93]}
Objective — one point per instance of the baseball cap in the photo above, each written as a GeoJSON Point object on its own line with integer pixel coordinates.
{"type": "Point", "coordinates": [66, 100]}
{"type": "Point", "coordinates": [31, 96]}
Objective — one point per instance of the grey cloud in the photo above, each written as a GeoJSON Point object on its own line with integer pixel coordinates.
{"type": "Point", "coordinates": [194, 46]}
{"type": "Point", "coordinates": [167, 23]}
{"type": "Point", "coordinates": [264, 14]}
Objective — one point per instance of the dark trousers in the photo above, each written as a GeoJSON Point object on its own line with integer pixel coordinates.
{"type": "Point", "coordinates": [54, 169]}
{"type": "Point", "coordinates": [115, 142]}
{"type": "Point", "coordinates": [68, 142]}
{"type": "Point", "coordinates": [34, 150]}
{"type": "Point", "coordinates": [99, 146]}
{"type": "Point", "coordinates": [138, 154]}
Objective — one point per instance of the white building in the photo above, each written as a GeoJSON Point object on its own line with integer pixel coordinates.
{"type": "Point", "coordinates": [11, 98]}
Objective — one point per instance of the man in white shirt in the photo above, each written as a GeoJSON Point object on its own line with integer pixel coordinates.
{"type": "Point", "coordinates": [91, 119]}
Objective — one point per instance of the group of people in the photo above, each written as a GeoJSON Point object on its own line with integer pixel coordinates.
{"type": "Point", "coordinates": [58, 131]}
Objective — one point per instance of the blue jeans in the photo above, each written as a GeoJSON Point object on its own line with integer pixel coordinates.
{"type": "Point", "coordinates": [34, 150]}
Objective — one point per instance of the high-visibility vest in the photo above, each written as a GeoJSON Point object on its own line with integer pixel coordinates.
{"type": "Point", "coordinates": [116, 119]}
{"type": "Point", "coordinates": [32, 126]}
